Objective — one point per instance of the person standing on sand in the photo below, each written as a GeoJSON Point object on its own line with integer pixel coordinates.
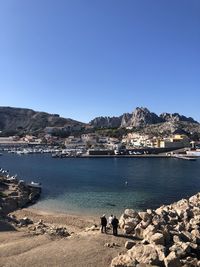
{"type": "Point", "coordinates": [103, 223]}
{"type": "Point", "coordinates": [115, 223]}
{"type": "Point", "coordinates": [110, 220]}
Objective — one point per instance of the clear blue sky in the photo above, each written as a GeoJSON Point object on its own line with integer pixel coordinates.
{"type": "Point", "coordinates": [86, 58]}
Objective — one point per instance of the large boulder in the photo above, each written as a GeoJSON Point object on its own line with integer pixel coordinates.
{"type": "Point", "coordinates": [129, 220]}
{"type": "Point", "coordinates": [149, 232]}
{"type": "Point", "coordinates": [157, 239]}
{"type": "Point", "coordinates": [123, 261]}
{"type": "Point", "coordinates": [144, 254]}
{"type": "Point", "coordinates": [145, 216]}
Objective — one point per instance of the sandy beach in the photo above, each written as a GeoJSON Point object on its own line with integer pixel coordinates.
{"type": "Point", "coordinates": [19, 247]}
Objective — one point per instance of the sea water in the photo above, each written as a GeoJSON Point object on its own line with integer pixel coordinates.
{"type": "Point", "coordinates": [105, 185]}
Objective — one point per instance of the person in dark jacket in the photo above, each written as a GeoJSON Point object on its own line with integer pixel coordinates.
{"type": "Point", "coordinates": [115, 224]}
{"type": "Point", "coordinates": [103, 223]}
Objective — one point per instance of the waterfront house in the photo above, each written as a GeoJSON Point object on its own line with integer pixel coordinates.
{"type": "Point", "coordinates": [175, 141]}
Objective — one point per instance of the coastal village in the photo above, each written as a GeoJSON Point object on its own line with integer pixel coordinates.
{"type": "Point", "coordinates": [131, 134]}
{"type": "Point", "coordinates": [93, 144]}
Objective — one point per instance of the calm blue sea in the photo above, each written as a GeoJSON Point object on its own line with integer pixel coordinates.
{"type": "Point", "coordinates": [96, 186]}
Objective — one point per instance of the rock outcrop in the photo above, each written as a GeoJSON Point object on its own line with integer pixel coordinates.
{"type": "Point", "coordinates": [175, 117]}
{"type": "Point", "coordinates": [168, 236]}
{"type": "Point", "coordinates": [106, 122]}
{"type": "Point", "coordinates": [142, 118]}
{"type": "Point", "coordinates": [15, 194]}
{"type": "Point", "coordinates": [125, 120]}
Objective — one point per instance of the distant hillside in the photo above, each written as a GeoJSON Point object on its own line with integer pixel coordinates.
{"type": "Point", "coordinates": [144, 121]}
{"type": "Point", "coordinates": [20, 121]}
{"type": "Point", "coordinates": [139, 118]}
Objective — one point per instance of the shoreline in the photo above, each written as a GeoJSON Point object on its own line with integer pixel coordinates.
{"type": "Point", "coordinates": [168, 230]}
{"type": "Point", "coordinates": [40, 237]}
{"type": "Point", "coordinates": [85, 212]}
{"type": "Point", "coordinates": [43, 211]}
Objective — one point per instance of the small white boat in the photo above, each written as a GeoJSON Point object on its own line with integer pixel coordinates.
{"type": "Point", "coordinates": [184, 157]}
{"type": "Point", "coordinates": [35, 184]}
{"type": "Point", "coordinates": [193, 153]}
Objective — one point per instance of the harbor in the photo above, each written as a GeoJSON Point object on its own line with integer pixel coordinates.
{"type": "Point", "coordinates": [97, 184]}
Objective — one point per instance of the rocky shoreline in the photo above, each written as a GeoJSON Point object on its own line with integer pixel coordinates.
{"type": "Point", "coordinates": [16, 194]}
{"type": "Point", "coordinates": [168, 236]}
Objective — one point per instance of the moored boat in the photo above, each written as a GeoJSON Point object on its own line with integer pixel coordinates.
{"type": "Point", "coordinates": [35, 184]}
{"type": "Point", "coordinates": [193, 153]}
{"type": "Point", "coordinates": [184, 157]}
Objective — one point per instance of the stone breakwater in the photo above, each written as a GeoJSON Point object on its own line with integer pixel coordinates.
{"type": "Point", "coordinates": [168, 236]}
{"type": "Point", "coordinates": [15, 194]}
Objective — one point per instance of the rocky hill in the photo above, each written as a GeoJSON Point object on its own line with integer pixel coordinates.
{"type": "Point", "coordinates": [20, 120]}
{"type": "Point", "coordinates": [139, 118]}
{"type": "Point", "coordinates": [148, 122]}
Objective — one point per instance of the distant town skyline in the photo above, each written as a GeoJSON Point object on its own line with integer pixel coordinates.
{"type": "Point", "coordinates": [83, 59]}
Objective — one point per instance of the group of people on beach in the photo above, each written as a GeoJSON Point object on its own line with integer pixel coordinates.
{"type": "Point", "coordinates": [112, 222]}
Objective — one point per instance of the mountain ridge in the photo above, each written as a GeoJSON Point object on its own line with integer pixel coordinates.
{"type": "Point", "coordinates": [141, 116]}
{"type": "Point", "coordinates": [22, 121]}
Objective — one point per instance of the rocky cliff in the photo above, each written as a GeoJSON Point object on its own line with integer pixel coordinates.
{"type": "Point", "coordinates": [140, 117]}
{"type": "Point", "coordinates": [175, 117]}
{"type": "Point", "coordinates": [106, 122]}
{"type": "Point", "coordinates": [20, 120]}
{"type": "Point", "coordinates": [150, 123]}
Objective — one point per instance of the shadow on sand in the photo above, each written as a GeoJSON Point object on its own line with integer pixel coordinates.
{"type": "Point", "coordinates": [121, 235]}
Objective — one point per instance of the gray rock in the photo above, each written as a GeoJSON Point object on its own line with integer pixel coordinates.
{"type": "Point", "coordinates": [174, 117]}
{"type": "Point", "coordinates": [106, 122]}
{"type": "Point", "coordinates": [142, 116]}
